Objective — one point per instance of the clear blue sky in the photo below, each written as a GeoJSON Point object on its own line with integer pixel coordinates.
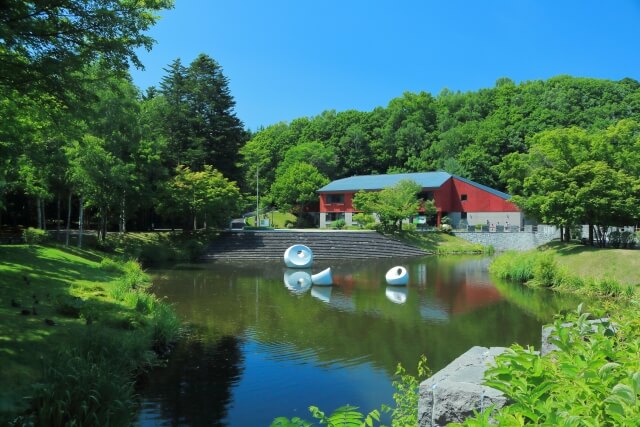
{"type": "Point", "coordinates": [292, 58]}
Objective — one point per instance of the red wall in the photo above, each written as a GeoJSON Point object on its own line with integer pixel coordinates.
{"type": "Point", "coordinates": [347, 206]}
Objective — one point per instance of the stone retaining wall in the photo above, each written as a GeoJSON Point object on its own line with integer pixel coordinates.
{"type": "Point", "coordinates": [519, 241]}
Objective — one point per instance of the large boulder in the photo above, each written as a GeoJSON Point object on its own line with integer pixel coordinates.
{"type": "Point", "coordinates": [453, 393]}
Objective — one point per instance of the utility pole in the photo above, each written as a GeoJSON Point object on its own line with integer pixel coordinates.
{"type": "Point", "coordinates": [257, 199]}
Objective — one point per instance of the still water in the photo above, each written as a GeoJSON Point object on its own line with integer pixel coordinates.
{"type": "Point", "coordinates": [258, 349]}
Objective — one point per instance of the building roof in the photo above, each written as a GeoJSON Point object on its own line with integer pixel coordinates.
{"type": "Point", "coordinates": [378, 182]}
{"type": "Point", "coordinates": [493, 191]}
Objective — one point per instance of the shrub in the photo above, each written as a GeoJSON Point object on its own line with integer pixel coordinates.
{"type": "Point", "coordinates": [34, 236]}
{"type": "Point", "coordinates": [339, 224]}
{"type": "Point", "coordinates": [593, 378]}
{"type": "Point", "coordinates": [445, 228]}
{"type": "Point", "coordinates": [364, 220]}
{"type": "Point", "coordinates": [545, 271]}
{"type": "Point", "coordinates": [615, 239]}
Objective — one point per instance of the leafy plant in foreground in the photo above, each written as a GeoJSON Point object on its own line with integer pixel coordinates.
{"type": "Point", "coordinates": [593, 379]}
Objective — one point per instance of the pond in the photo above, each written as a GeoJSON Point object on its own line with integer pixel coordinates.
{"type": "Point", "coordinates": [257, 349]}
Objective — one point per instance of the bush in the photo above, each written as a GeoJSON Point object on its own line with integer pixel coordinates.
{"type": "Point", "coordinates": [34, 236]}
{"type": "Point", "coordinates": [615, 239]}
{"type": "Point", "coordinates": [593, 378]}
{"type": "Point", "coordinates": [339, 224]}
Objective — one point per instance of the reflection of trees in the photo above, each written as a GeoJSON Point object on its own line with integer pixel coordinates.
{"type": "Point", "coordinates": [195, 388]}
{"type": "Point", "coordinates": [541, 303]}
{"type": "Point", "coordinates": [229, 300]}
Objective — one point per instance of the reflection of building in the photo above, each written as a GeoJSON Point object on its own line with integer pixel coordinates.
{"type": "Point", "coordinates": [453, 196]}
{"type": "Point", "coordinates": [467, 290]}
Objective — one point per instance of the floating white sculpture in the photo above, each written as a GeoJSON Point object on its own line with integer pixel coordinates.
{"type": "Point", "coordinates": [323, 293]}
{"type": "Point", "coordinates": [324, 278]}
{"type": "Point", "coordinates": [397, 276]}
{"type": "Point", "coordinates": [298, 256]}
{"type": "Point", "coordinates": [396, 295]}
{"type": "Point", "coordinates": [297, 281]}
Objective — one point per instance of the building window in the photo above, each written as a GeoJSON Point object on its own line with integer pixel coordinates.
{"type": "Point", "coordinates": [334, 216]}
{"type": "Point", "coordinates": [463, 197]}
{"type": "Point", "coordinates": [335, 198]}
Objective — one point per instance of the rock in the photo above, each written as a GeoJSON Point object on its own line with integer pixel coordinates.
{"type": "Point", "coordinates": [453, 393]}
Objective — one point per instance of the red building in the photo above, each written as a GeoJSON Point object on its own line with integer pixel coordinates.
{"type": "Point", "coordinates": [458, 198]}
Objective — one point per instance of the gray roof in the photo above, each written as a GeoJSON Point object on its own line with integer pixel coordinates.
{"type": "Point", "coordinates": [378, 182]}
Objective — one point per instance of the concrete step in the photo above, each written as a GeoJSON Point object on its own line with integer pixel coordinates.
{"type": "Point", "coordinates": [325, 245]}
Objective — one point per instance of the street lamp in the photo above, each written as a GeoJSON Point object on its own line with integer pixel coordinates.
{"type": "Point", "coordinates": [257, 198]}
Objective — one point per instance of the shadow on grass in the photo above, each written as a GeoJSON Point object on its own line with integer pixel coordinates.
{"type": "Point", "coordinates": [47, 300]}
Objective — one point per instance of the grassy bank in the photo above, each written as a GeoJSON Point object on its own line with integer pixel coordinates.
{"type": "Point", "coordinates": [76, 328]}
{"type": "Point", "coordinates": [441, 243]}
{"type": "Point", "coordinates": [573, 268]}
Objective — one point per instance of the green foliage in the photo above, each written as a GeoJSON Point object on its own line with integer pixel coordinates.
{"type": "Point", "coordinates": [339, 224]}
{"type": "Point", "coordinates": [206, 193]}
{"type": "Point", "coordinates": [406, 395]}
{"type": "Point", "coordinates": [34, 236]}
{"type": "Point", "coordinates": [82, 390]}
{"type": "Point", "coordinates": [364, 220]}
{"type": "Point", "coordinates": [296, 187]}
{"type": "Point", "coordinates": [593, 379]}
{"type": "Point", "coordinates": [541, 269]}
{"type": "Point", "coordinates": [393, 204]}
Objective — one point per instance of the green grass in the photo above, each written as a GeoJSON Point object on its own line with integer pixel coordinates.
{"type": "Point", "coordinates": [74, 292]}
{"type": "Point", "coordinates": [621, 265]}
{"type": "Point", "coordinates": [440, 243]}
{"type": "Point", "coordinates": [278, 219]}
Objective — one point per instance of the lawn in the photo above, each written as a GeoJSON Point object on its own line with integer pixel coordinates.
{"type": "Point", "coordinates": [440, 243]}
{"type": "Point", "coordinates": [48, 298]}
{"type": "Point", "coordinates": [621, 265]}
{"type": "Point", "coordinates": [276, 218]}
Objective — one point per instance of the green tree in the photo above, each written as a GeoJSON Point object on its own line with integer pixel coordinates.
{"type": "Point", "coordinates": [44, 44]}
{"type": "Point", "coordinates": [206, 194]}
{"type": "Point", "coordinates": [295, 187]}
{"type": "Point", "coordinates": [393, 204]}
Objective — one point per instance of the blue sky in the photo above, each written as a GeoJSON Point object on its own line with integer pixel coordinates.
{"type": "Point", "coordinates": [293, 58]}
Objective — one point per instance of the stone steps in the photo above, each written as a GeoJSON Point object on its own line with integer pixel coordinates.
{"type": "Point", "coordinates": [325, 245]}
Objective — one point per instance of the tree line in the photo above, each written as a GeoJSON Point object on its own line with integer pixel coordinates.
{"type": "Point", "coordinates": [513, 137]}
{"type": "Point", "coordinates": [77, 137]}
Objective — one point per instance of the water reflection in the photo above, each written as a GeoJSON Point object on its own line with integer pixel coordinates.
{"type": "Point", "coordinates": [297, 281]}
{"type": "Point", "coordinates": [323, 293]}
{"type": "Point", "coordinates": [396, 295]}
{"type": "Point", "coordinates": [261, 349]}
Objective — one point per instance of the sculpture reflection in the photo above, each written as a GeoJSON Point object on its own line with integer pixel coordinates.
{"type": "Point", "coordinates": [396, 295]}
{"type": "Point", "coordinates": [297, 281]}
{"type": "Point", "coordinates": [323, 293]}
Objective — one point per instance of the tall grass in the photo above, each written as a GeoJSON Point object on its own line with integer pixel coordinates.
{"type": "Point", "coordinates": [541, 269]}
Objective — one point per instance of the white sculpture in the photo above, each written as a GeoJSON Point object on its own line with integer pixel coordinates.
{"type": "Point", "coordinates": [297, 281]}
{"type": "Point", "coordinates": [324, 278]}
{"type": "Point", "coordinates": [298, 256]}
{"type": "Point", "coordinates": [397, 276]}
{"type": "Point", "coordinates": [396, 295]}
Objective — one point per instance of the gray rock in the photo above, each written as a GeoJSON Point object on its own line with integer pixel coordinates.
{"type": "Point", "coordinates": [453, 393]}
